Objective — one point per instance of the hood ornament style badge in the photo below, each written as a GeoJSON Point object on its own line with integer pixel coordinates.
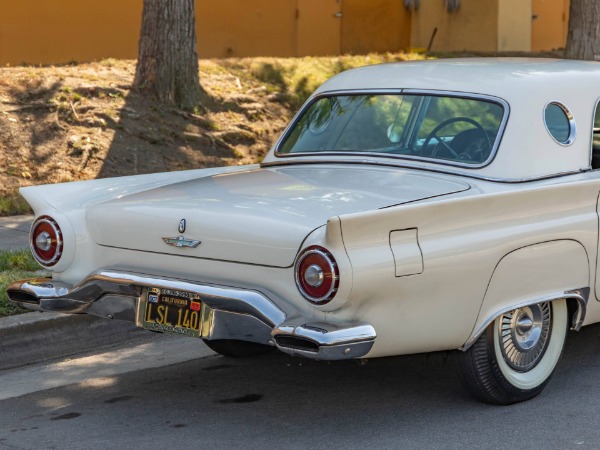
{"type": "Point", "coordinates": [181, 241]}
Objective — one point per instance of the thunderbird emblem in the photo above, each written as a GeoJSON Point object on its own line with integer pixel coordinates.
{"type": "Point", "coordinates": [181, 241]}
{"type": "Point", "coordinates": [182, 224]}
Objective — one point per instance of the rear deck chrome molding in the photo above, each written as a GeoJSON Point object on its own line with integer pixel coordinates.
{"type": "Point", "coordinates": [227, 313]}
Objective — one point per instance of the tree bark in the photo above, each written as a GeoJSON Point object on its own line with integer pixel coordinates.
{"type": "Point", "coordinates": [167, 65]}
{"type": "Point", "coordinates": [583, 39]}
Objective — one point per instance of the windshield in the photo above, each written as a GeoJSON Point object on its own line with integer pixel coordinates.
{"type": "Point", "coordinates": [461, 130]}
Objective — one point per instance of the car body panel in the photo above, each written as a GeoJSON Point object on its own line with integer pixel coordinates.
{"type": "Point", "coordinates": [240, 216]}
{"type": "Point", "coordinates": [426, 253]}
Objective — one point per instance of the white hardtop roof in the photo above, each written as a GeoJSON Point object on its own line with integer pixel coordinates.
{"type": "Point", "coordinates": [501, 77]}
{"type": "Point", "coordinates": [527, 151]}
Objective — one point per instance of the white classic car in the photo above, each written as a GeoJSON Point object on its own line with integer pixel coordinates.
{"type": "Point", "coordinates": [410, 207]}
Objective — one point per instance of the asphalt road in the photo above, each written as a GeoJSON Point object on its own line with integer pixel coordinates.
{"type": "Point", "coordinates": [14, 232]}
{"type": "Point", "coordinates": [168, 392]}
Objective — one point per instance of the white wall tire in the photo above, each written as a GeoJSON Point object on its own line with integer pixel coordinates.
{"type": "Point", "coordinates": [515, 358]}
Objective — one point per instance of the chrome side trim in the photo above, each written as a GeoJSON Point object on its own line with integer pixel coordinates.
{"type": "Point", "coordinates": [581, 295]}
{"type": "Point", "coordinates": [408, 165]}
{"type": "Point", "coordinates": [324, 340]}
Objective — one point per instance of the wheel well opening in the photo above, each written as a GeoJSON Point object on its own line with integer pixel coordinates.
{"type": "Point", "coordinates": [573, 312]}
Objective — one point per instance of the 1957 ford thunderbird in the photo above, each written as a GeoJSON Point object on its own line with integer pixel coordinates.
{"type": "Point", "coordinates": [410, 207]}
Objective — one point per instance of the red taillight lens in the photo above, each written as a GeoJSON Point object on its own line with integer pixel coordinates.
{"type": "Point", "coordinates": [317, 275]}
{"type": "Point", "coordinates": [46, 241]}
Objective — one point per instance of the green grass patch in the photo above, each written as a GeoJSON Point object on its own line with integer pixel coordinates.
{"type": "Point", "coordinates": [14, 266]}
{"type": "Point", "coordinates": [12, 204]}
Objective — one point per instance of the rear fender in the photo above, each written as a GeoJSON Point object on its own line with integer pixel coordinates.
{"type": "Point", "coordinates": [541, 272]}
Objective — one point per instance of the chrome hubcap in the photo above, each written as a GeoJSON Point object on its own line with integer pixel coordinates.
{"type": "Point", "coordinates": [524, 334]}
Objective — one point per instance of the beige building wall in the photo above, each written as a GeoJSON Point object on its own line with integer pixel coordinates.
{"type": "Point", "coordinates": [514, 25]}
{"type": "Point", "coordinates": [473, 27]}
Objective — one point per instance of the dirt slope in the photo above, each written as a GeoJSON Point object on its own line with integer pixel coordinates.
{"type": "Point", "coordinates": [83, 121]}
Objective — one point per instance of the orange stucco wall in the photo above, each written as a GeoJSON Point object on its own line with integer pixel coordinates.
{"type": "Point", "coordinates": [246, 28]}
{"type": "Point", "coordinates": [375, 26]}
{"type": "Point", "coordinates": [60, 31]}
{"type": "Point", "coordinates": [550, 24]}
{"type": "Point", "coordinates": [52, 31]}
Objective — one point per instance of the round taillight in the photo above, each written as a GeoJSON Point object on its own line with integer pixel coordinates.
{"type": "Point", "coordinates": [317, 275]}
{"type": "Point", "coordinates": [46, 241]}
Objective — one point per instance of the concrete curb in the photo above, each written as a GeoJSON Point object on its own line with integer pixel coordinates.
{"type": "Point", "coordinates": [36, 337]}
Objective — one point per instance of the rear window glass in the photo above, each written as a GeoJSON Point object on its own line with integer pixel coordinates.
{"type": "Point", "coordinates": [445, 128]}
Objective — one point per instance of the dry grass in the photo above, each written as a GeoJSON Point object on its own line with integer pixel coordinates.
{"type": "Point", "coordinates": [83, 121]}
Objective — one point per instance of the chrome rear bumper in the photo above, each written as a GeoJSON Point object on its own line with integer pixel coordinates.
{"type": "Point", "coordinates": [227, 313]}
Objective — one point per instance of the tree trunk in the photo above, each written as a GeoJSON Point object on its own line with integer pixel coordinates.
{"type": "Point", "coordinates": [167, 59]}
{"type": "Point", "coordinates": [583, 40]}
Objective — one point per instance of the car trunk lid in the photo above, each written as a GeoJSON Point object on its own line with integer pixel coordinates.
{"type": "Point", "coordinates": [258, 216]}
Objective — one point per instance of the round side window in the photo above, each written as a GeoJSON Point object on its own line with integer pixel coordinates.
{"type": "Point", "coordinates": [319, 116]}
{"type": "Point", "coordinates": [560, 123]}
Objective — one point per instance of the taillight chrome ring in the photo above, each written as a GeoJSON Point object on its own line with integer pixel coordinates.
{"type": "Point", "coordinates": [327, 278]}
{"type": "Point", "coordinates": [46, 228]}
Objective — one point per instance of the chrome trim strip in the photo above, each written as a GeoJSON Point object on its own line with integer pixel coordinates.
{"type": "Point", "coordinates": [581, 295]}
{"type": "Point", "coordinates": [400, 164]}
{"type": "Point", "coordinates": [457, 94]}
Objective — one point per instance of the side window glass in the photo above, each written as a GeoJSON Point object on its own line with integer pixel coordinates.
{"type": "Point", "coordinates": [596, 139]}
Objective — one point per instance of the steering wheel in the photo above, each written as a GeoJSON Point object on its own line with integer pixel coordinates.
{"type": "Point", "coordinates": [442, 144]}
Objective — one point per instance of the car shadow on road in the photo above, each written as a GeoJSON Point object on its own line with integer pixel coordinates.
{"type": "Point", "coordinates": [416, 401]}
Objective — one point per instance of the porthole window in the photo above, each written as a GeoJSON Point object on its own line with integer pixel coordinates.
{"type": "Point", "coordinates": [560, 123]}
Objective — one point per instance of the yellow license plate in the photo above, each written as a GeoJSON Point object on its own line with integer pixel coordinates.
{"type": "Point", "coordinates": [171, 311]}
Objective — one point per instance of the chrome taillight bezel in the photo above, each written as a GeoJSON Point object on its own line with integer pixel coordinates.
{"type": "Point", "coordinates": [331, 274]}
{"type": "Point", "coordinates": [56, 235]}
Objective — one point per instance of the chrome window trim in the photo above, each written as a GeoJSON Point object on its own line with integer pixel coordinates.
{"type": "Point", "coordinates": [425, 169]}
{"type": "Point", "coordinates": [464, 95]}
{"type": "Point", "coordinates": [592, 136]}
{"type": "Point", "coordinates": [570, 118]}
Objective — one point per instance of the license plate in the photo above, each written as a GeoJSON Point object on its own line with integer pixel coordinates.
{"type": "Point", "coordinates": [171, 311]}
